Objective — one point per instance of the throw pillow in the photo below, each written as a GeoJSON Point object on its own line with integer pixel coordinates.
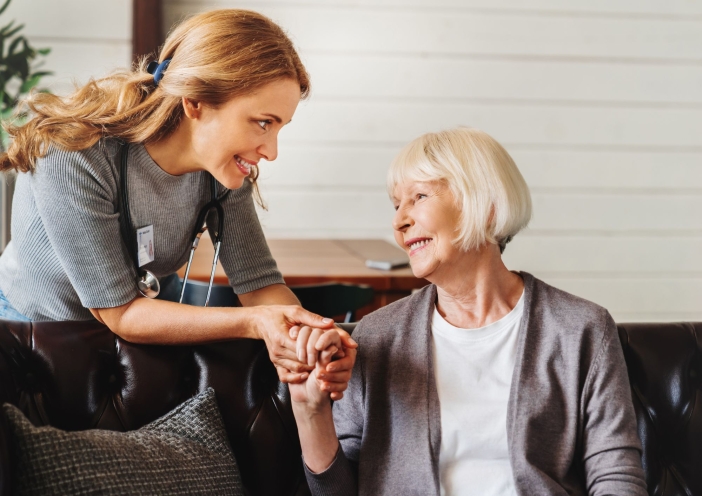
{"type": "Point", "coordinates": [185, 452]}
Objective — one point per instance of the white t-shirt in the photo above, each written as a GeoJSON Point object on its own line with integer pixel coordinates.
{"type": "Point", "coordinates": [473, 369]}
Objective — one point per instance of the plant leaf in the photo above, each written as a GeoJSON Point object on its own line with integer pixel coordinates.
{"type": "Point", "coordinates": [6, 114]}
{"type": "Point", "coordinates": [4, 6]}
{"type": "Point", "coordinates": [6, 28]}
{"type": "Point", "coordinates": [30, 83]}
{"type": "Point", "coordinates": [42, 74]}
{"type": "Point", "coordinates": [14, 31]}
{"type": "Point", "coordinates": [15, 43]}
{"type": "Point", "coordinates": [19, 63]}
{"type": "Point", "coordinates": [8, 101]}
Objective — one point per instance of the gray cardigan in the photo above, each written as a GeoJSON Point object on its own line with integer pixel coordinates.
{"type": "Point", "coordinates": [571, 427]}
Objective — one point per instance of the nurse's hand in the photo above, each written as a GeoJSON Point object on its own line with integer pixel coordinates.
{"type": "Point", "coordinates": [272, 324]}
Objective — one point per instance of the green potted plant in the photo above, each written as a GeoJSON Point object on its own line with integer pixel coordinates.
{"type": "Point", "coordinates": [19, 74]}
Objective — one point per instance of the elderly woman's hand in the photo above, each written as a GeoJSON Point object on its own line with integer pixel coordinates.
{"type": "Point", "coordinates": [311, 403]}
{"type": "Point", "coordinates": [336, 375]}
{"type": "Point", "coordinates": [273, 323]}
{"type": "Point", "coordinates": [333, 354]}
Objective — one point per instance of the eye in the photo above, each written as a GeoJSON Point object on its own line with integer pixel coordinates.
{"type": "Point", "coordinates": [264, 124]}
{"type": "Point", "coordinates": [421, 196]}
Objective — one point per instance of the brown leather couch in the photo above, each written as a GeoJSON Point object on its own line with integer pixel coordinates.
{"type": "Point", "coordinates": [79, 376]}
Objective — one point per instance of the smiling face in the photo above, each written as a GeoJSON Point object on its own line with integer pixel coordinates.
{"type": "Point", "coordinates": [426, 224]}
{"type": "Point", "coordinates": [229, 139]}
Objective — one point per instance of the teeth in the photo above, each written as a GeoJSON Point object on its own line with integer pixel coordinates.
{"type": "Point", "coordinates": [243, 163]}
{"type": "Point", "coordinates": [419, 244]}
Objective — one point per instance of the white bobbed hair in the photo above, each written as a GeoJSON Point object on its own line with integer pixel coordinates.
{"type": "Point", "coordinates": [490, 191]}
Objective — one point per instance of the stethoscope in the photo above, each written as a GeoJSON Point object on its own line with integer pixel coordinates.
{"type": "Point", "coordinates": [147, 283]}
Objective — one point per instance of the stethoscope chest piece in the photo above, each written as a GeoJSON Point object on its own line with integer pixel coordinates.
{"type": "Point", "coordinates": [148, 284]}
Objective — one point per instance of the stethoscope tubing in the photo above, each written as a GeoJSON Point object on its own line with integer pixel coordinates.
{"type": "Point", "coordinates": [147, 283]}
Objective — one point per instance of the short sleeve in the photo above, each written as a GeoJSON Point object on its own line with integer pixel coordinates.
{"type": "Point", "coordinates": [75, 194]}
{"type": "Point", "coordinates": [245, 255]}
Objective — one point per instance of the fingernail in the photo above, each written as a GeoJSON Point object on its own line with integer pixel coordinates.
{"type": "Point", "coordinates": [304, 376]}
{"type": "Point", "coordinates": [352, 341]}
{"type": "Point", "coordinates": [326, 321]}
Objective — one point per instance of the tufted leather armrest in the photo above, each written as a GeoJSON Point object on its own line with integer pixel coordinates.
{"type": "Point", "coordinates": [665, 372]}
{"type": "Point", "coordinates": [79, 375]}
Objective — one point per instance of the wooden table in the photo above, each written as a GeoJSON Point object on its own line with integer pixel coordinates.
{"type": "Point", "coordinates": [311, 261]}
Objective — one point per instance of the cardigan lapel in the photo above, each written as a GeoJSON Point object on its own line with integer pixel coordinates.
{"type": "Point", "coordinates": [433, 406]}
{"type": "Point", "coordinates": [515, 398]}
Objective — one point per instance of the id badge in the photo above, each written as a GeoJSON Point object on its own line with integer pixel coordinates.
{"type": "Point", "coordinates": [145, 245]}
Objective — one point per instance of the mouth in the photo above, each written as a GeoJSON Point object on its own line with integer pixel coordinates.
{"type": "Point", "coordinates": [243, 164]}
{"type": "Point", "coordinates": [416, 244]}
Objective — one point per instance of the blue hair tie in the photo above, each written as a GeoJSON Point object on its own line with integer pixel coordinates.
{"type": "Point", "coordinates": [158, 69]}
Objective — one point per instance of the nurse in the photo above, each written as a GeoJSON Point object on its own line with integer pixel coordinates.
{"type": "Point", "coordinates": [225, 84]}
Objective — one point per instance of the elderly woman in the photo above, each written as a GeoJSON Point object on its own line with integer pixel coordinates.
{"type": "Point", "coordinates": [486, 381]}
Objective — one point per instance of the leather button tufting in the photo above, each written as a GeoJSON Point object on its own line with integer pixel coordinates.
{"type": "Point", "coordinates": [665, 374]}
{"type": "Point", "coordinates": [30, 379]}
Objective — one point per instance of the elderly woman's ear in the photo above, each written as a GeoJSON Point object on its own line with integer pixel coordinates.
{"type": "Point", "coordinates": [501, 242]}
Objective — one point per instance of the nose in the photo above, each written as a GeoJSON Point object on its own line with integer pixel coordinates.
{"type": "Point", "coordinates": [268, 150]}
{"type": "Point", "coordinates": [402, 220]}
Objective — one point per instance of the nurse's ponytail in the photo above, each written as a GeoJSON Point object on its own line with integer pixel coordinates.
{"type": "Point", "coordinates": [215, 56]}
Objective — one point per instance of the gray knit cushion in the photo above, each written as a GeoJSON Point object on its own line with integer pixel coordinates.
{"type": "Point", "coordinates": [184, 452]}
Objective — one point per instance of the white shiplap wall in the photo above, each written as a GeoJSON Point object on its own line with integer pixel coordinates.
{"type": "Point", "coordinates": [599, 102]}
{"type": "Point", "coordinates": [87, 38]}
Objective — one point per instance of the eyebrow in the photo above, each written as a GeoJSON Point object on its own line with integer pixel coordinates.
{"type": "Point", "coordinates": [275, 118]}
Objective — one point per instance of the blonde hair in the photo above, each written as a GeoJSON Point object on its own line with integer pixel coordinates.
{"type": "Point", "coordinates": [490, 191]}
{"type": "Point", "coordinates": [215, 56]}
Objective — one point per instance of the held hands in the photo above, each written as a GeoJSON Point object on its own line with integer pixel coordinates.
{"type": "Point", "coordinates": [332, 364]}
{"type": "Point", "coordinates": [272, 323]}
{"type": "Point", "coordinates": [332, 354]}
{"type": "Point", "coordinates": [291, 335]}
